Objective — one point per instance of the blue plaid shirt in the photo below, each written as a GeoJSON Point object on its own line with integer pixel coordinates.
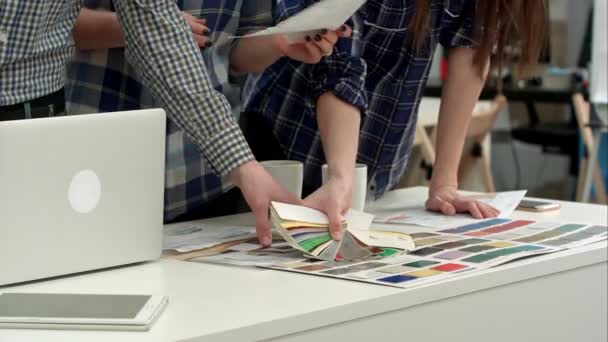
{"type": "Point", "coordinates": [102, 81]}
{"type": "Point", "coordinates": [379, 71]}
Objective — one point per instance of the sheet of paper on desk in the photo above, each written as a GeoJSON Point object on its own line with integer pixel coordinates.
{"type": "Point", "coordinates": [246, 255]}
{"type": "Point", "coordinates": [326, 14]}
{"type": "Point", "coordinates": [190, 236]}
{"type": "Point", "coordinates": [506, 202]}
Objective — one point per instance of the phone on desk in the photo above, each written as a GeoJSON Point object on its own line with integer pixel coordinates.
{"type": "Point", "coordinates": [79, 311]}
{"type": "Point", "coordinates": [537, 206]}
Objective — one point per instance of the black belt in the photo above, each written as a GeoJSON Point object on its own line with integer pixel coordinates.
{"type": "Point", "coordinates": [42, 107]}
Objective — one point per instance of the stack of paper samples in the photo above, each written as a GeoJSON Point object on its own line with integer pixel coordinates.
{"type": "Point", "coordinates": [307, 230]}
{"type": "Point", "coordinates": [185, 237]}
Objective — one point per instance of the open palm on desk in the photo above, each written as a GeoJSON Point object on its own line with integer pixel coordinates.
{"type": "Point", "coordinates": [447, 200]}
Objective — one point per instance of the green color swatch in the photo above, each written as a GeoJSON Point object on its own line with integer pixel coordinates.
{"type": "Point", "coordinates": [388, 252]}
{"type": "Point", "coordinates": [311, 244]}
{"type": "Point", "coordinates": [569, 228]}
{"type": "Point", "coordinates": [421, 263]}
{"type": "Point", "coordinates": [479, 258]}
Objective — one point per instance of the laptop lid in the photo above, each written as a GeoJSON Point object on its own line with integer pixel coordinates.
{"type": "Point", "coordinates": [79, 193]}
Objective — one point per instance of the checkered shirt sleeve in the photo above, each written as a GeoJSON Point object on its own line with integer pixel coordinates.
{"type": "Point", "coordinates": [160, 46]}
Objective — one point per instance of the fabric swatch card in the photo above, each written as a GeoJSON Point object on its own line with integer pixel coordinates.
{"type": "Point", "coordinates": [307, 230]}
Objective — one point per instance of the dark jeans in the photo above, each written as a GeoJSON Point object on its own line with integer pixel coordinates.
{"type": "Point", "coordinates": [228, 203]}
{"type": "Point", "coordinates": [264, 145]}
{"type": "Point", "coordinates": [260, 137]}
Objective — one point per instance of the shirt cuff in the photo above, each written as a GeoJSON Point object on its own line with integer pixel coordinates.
{"type": "Point", "coordinates": [227, 150]}
{"type": "Point", "coordinates": [457, 39]}
{"type": "Point", "coordinates": [353, 94]}
{"type": "Point", "coordinates": [344, 75]}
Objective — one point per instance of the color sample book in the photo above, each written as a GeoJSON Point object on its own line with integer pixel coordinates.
{"type": "Point", "coordinates": [307, 230]}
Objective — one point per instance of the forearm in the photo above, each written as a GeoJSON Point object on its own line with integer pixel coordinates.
{"type": "Point", "coordinates": [339, 124]}
{"type": "Point", "coordinates": [460, 93]}
{"type": "Point", "coordinates": [97, 29]}
{"type": "Point", "coordinates": [253, 55]}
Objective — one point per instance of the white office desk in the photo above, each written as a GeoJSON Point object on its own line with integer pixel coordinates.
{"type": "Point", "coordinates": [558, 297]}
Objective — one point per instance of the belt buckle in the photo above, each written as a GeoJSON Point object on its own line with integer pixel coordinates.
{"type": "Point", "coordinates": [27, 108]}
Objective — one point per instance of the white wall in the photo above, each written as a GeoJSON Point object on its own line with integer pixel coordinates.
{"type": "Point", "coordinates": [576, 15]}
{"type": "Point", "coordinates": [538, 169]}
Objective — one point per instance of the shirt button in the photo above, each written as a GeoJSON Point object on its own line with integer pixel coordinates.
{"type": "Point", "coordinates": [410, 93]}
{"type": "Point", "coordinates": [3, 37]}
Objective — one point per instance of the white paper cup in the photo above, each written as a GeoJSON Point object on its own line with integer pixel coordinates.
{"type": "Point", "coordinates": [288, 173]}
{"type": "Point", "coordinates": [359, 185]}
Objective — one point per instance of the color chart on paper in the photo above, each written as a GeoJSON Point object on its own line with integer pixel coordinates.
{"type": "Point", "coordinates": [451, 252]}
{"type": "Point", "coordinates": [251, 253]}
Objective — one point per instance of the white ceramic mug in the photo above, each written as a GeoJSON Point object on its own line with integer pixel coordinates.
{"type": "Point", "coordinates": [288, 173]}
{"type": "Point", "coordinates": [359, 185]}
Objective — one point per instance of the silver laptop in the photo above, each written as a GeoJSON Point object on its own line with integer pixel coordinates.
{"type": "Point", "coordinates": [80, 193]}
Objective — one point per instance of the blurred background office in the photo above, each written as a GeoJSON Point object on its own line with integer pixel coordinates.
{"type": "Point", "coordinates": [540, 138]}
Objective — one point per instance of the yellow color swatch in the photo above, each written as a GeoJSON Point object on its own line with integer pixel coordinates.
{"type": "Point", "coordinates": [500, 244]}
{"type": "Point", "coordinates": [423, 273]}
{"type": "Point", "coordinates": [296, 224]}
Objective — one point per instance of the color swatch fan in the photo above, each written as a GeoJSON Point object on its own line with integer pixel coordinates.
{"type": "Point", "coordinates": [307, 230]}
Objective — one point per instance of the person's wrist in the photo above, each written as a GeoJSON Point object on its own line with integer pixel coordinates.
{"type": "Point", "coordinates": [437, 184]}
{"type": "Point", "coordinates": [444, 176]}
{"type": "Point", "coordinates": [345, 182]}
{"type": "Point", "coordinates": [341, 175]}
{"type": "Point", "coordinates": [277, 46]}
{"type": "Point", "coordinates": [237, 175]}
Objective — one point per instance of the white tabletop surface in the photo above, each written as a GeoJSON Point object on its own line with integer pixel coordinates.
{"type": "Point", "coordinates": [220, 303]}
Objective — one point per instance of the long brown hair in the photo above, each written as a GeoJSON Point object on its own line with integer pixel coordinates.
{"type": "Point", "coordinates": [500, 27]}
